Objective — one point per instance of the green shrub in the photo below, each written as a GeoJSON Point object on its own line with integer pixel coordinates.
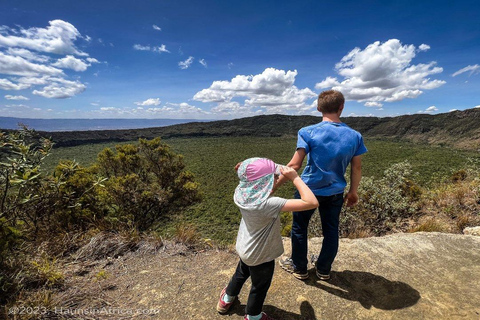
{"type": "Point", "coordinates": [385, 204]}
{"type": "Point", "coordinates": [145, 183]}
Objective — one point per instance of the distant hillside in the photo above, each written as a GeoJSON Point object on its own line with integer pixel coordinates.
{"type": "Point", "coordinates": [460, 129]}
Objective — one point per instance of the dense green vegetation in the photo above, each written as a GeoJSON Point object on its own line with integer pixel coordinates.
{"type": "Point", "coordinates": [212, 161]}
{"type": "Point", "coordinates": [129, 189]}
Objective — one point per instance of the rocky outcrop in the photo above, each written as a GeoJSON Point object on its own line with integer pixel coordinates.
{"type": "Point", "coordinates": [473, 231]}
{"type": "Point", "coordinates": [401, 276]}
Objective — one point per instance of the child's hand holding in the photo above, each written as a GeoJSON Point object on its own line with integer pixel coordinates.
{"type": "Point", "coordinates": [288, 172]}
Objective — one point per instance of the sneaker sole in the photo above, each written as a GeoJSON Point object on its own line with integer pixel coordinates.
{"type": "Point", "coordinates": [296, 275]}
{"type": "Point", "coordinates": [323, 277]}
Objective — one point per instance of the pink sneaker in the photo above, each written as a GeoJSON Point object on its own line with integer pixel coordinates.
{"type": "Point", "coordinates": [223, 306]}
{"type": "Point", "coordinates": [264, 317]}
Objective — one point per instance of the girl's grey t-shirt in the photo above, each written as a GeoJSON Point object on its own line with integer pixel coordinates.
{"type": "Point", "coordinates": [259, 239]}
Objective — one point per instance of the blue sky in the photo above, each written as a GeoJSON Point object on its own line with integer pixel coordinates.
{"type": "Point", "coordinates": [230, 59]}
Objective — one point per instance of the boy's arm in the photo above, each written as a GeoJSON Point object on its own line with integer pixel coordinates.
{"type": "Point", "coordinates": [295, 163]}
{"type": "Point", "coordinates": [351, 198]}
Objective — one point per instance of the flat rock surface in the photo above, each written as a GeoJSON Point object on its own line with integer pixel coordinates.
{"type": "Point", "coordinates": [401, 276]}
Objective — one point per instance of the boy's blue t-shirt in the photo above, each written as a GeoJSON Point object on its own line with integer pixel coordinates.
{"type": "Point", "coordinates": [330, 147]}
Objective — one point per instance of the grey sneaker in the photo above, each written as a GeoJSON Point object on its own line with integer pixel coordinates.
{"type": "Point", "coordinates": [287, 264]}
{"type": "Point", "coordinates": [323, 277]}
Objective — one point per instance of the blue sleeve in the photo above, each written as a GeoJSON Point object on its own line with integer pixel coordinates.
{"type": "Point", "coordinates": [361, 149]}
{"type": "Point", "coordinates": [301, 141]}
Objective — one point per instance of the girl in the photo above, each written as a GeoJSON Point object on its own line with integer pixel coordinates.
{"type": "Point", "coordinates": [259, 241]}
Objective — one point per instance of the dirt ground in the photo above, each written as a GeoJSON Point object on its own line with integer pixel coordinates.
{"type": "Point", "coordinates": [402, 276]}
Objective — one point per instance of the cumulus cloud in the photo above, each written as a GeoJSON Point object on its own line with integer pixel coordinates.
{"type": "Point", "coordinates": [57, 38]}
{"type": "Point", "coordinates": [203, 62]}
{"type": "Point", "coordinates": [383, 72]}
{"type": "Point", "coordinates": [149, 102]}
{"type": "Point", "coordinates": [61, 89]}
{"type": "Point", "coordinates": [475, 69]}
{"type": "Point", "coordinates": [373, 104]}
{"type": "Point", "coordinates": [272, 91]}
{"type": "Point", "coordinates": [6, 84]}
{"type": "Point", "coordinates": [423, 47]}
{"type": "Point", "coordinates": [431, 109]}
{"type": "Point", "coordinates": [186, 64]}
{"type": "Point", "coordinates": [26, 55]}
{"type": "Point", "coordinates": [70, 62]}
{"type": "Point", "coordinates": [141, 48]}
{"type": "Point", "coordinates": [157, 27]}
{"type": "Point", "coordinates": [16, 65]}
{"type": "Point", "coordinates": [10, 97]}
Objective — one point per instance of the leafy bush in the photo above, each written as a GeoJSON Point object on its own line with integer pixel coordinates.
{"type": "Point", "coordinates": [145, 183]}
{"type": "Point", "coordinates": [385, 204]}
{"type": "Point", "coordinates": [132, 189]}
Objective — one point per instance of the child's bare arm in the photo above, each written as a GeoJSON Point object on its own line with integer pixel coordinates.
{"type": "Point", "coordinates": [308, 199]}
{"type": "Point", "coordinates": [295, 163]}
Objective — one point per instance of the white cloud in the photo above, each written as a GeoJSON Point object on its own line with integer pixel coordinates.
{"type": "Point", "coordinates": [141, 48]}
{"type": "Point", "coordinates": [159, 49]}
{"type": "Point", "coordinates": [203, 62]}
{"type": "Point", "coordinates": [6, 84]}
{"type": "Point", "coordinates": [10, 97]}
{"type": "Point", "coordinates": [431, 109]}
{"type": "Point", "coordinates": [28, 55]}
{"type": "Point", "coordinates": [17, 58]}
{"type": "Point", "coordinates": [373, 104]}
{"type": "Point", "coordinates": [452, 110]}
{"type": "Point", "coordinates": [70, 62]}
{"type": "Point", "coordinates": [149, 102]}
{"type": "Point", "coordinates": [272, 91]}
{"type": "Point", "coordinates": [423, 47]}
{"type": "Point", "coordinates": [327, 83]}
{"type": "Point", "coordinates": [475, 69]}
{"type": "Point", "coordinates": [61, 89]}
{"type": "Point", "coordinates": [157, 27]}
{"type": "Point", "coordinates": [109, 109]}
{"type": "Point", "coordinates": [476, 107]}
{"type": "Point", "coordinates": [186, 64]}
{"type": "Point", "coordinates": [57, 38]}
{"type": "Point", "coordinates": [383, 72]}
{"type": "Point", "coordinates": [230, 65]}
{"type": "Point", "coordinates": [92, 60]}
{"type": "Point", "coordinates": [184, 108]}
{"type": "Point", "coordinates": [15, 65]}
{"type": "Point", "coordinates": [94, 104]}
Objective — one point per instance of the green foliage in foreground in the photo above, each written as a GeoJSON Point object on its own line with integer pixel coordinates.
{"type": "Point", "coordinates": [133, 187]}
{"type": "Point", "coordinates": [212, 161]}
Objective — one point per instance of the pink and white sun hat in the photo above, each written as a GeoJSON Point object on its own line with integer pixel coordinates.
{"type": "Point", "coordinates": [256, 181]}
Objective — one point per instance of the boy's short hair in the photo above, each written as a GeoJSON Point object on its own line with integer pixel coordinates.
{"type": "Point", "coordinates": [330, 101]}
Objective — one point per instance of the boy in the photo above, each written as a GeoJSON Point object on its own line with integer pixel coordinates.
{"type": "Point", "coordinates": [331, 146]}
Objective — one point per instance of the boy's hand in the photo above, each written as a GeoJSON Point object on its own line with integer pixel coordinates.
{"type": "Point", "coordinates": [351, 199]}
{"type": "Point", "coordinates": [288, 172]}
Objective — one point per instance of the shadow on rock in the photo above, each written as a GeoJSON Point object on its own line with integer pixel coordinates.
{"type": "Point", "coordinates": [369, 289]}
{"type": "Point", "coordinates": [306, 312]}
